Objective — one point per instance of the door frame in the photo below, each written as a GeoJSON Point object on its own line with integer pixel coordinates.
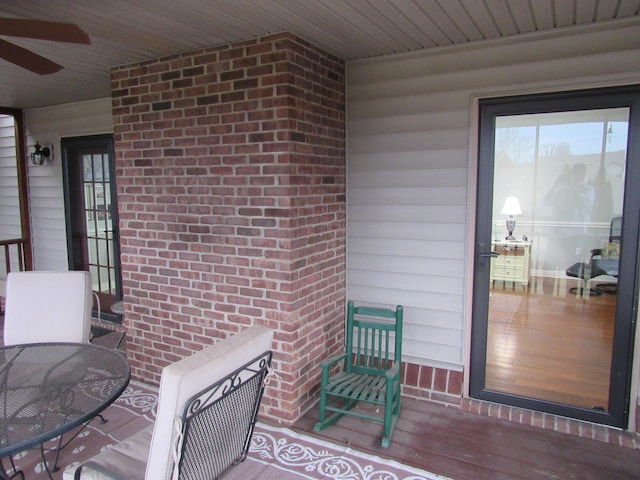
{"type": "Point", "coordinates": [624, 333]}
{"type": "Point", "coordinates": [69, 145]}
{"type": "Point", "coordinates": [22, 165]}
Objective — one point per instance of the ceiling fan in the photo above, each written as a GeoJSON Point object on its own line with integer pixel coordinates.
{"type": "Point", "coordinates": [41, 30]}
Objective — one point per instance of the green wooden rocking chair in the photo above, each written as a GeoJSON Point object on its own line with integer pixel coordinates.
{"type": "Point", "coordinates": [371, 371]}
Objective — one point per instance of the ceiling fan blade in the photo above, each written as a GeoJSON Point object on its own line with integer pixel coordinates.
{"type": "Point", "coordinates": [43, 30]}
{"type": "Point", "coordinates": [27, 59]}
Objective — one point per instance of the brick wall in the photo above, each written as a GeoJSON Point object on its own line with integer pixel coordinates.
{"type": "Point", "coordinates": [431, 383]}
{"type": "Point", "coordinates": [548, 421]}
{"type": "Point", "coordinates": [230, 166]}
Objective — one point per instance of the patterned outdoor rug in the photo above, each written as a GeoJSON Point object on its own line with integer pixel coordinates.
{"type": "Point", "coordinates": [282, 454]}
{"type": "Point", "coordinates": [276, 453]}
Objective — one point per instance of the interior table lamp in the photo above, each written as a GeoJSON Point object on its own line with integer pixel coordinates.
{"type": "Point", "coordinates": [511, 207]}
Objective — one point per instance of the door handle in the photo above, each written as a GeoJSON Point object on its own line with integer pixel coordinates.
{"type": "Point", "coordinates": [489, 254]}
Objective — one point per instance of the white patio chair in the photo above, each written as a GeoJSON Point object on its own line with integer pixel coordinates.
{"type": "Point", "coordinates": [48, 307]}
{"type": "Point", "coordinates": [207, 408]}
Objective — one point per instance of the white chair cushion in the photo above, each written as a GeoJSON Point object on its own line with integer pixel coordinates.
{"type": "Point", "coordinates": [48, 307]}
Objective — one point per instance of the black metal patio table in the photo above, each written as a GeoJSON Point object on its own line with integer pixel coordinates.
{"type": "Point", "coordinates": [47, 389]}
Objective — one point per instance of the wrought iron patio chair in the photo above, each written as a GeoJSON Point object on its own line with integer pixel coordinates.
{"type": "Point", "coordinates": [207, 408]}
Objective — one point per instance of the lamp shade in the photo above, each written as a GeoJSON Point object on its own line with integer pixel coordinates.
{"type": "Point", "coordinates": [511, 207]}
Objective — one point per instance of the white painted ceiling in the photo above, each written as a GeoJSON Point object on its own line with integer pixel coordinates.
{"type": "Point", "coordinates": [127, 31]}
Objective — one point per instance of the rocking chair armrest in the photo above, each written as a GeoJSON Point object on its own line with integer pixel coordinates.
{"type": "Point", "coordinates": [332, 361]}
{"type": "Point", "coordinates": [393, 372]}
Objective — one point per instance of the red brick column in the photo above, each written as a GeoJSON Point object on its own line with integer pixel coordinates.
{"type": "Point", "coordinates": [230, 166]}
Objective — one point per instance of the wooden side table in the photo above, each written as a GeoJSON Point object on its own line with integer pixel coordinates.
{"type": "Point", "coordinates": [513, 262]}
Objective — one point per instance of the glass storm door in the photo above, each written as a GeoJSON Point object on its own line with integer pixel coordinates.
{"type": "Point", "coordinates": [92, 220]}
{"type": "Point", "coordinates": [556, 254]}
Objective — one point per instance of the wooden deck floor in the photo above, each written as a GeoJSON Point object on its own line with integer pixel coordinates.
{"type": "Point", "coordinates": [467, 446]}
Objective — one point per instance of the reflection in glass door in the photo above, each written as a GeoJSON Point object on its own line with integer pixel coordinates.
{"type": "Point", "coordinates": [97, 188]}
{"type": "Point", "coordinates": [559, 178]}
{"type": "Point", "coordinates": [552, 312]}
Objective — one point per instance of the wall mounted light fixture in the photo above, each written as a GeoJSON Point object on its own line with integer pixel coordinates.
{"type": "Point", "coordinates": [40, 154]}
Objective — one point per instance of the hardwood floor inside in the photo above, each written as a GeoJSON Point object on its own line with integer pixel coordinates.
{"type": "Point", "coordinates": [549, 344]}
{"type": "Point", "coordinates": [467, 446]}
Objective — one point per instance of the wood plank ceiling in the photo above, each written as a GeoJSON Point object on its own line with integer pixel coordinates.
{"type": "Point", "coordinates": [127, 31]}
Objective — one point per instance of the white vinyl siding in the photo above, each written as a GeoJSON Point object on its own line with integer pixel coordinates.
{"type": "Point", "coordinates": [10, 225]}
{"type": "Point", "coordinates": [409, 197]}
{"type": "Point", "coordinates": [46, 197]}
{"type": "Point", "coordinates": [9, 195]}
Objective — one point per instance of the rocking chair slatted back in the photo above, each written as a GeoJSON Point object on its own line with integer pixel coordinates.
{"type": "Point", "coordinates": [371, 340]}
